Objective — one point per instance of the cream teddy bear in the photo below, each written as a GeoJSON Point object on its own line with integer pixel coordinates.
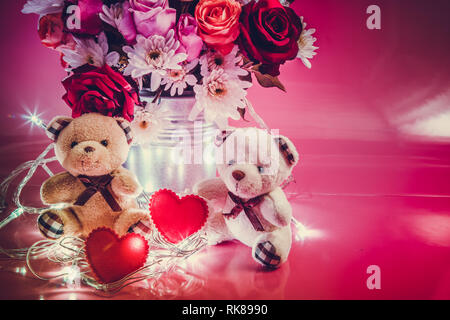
{"type": "Point", "coordinates": [246, 202]}
{"type": "Point", "coordinates": [96, 190]}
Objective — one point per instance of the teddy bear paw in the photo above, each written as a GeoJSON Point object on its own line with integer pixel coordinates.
{"type": "Point", "coordinates": [266, 254]}
{"type": "Point", "coordinates": [50, 225]}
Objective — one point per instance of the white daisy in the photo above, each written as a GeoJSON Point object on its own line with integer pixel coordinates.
{"type": "Point", "coordinates": [112, 15]}
{"type": "Point", "coordinates": [306, 45]}
{"type": "Point", "coordinates": [219, 97]}
{"type": "Point", "coordinates": [178, 80]}
{"type": "Point", "coordinates": [147, 124]}
{"type": "Point", "coordinates": [230, 63]}
{"type": "Point", "coordinates": [155, 55]}
{"type": "Point", "coordinates": [43, 7]}
{"type": "Point", "coordinates": [91, 52]}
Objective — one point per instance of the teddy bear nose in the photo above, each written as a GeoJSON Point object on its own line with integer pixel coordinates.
{"type": "Point", "coordinates": [238, 175]}
{"type": "Point", "coordinates": [89, 149]}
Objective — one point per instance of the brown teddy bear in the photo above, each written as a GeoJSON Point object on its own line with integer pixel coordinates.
{"type": "Point", "coordinates": [96, 190]}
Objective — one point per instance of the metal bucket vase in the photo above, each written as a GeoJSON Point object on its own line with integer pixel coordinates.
{"type": "Point", "coordinates": [181, 155]}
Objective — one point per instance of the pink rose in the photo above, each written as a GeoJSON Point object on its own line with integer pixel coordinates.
{"type": "Point", "coordinates": [52, 34]}
{"type": "Point", "coordinates": [147, 5]}
{"type": "Point", "coordinates": [85, 20]}
{"type": "Point", "coordinates": [51, 31]}
{"type": "Point", "coordinates": [153, 17]}
{"type": "Point", "coordinates": [218, 23]}
{"type": "Point", "coordinates": [190, 41]}
{"type": "Point", "coordinates": [126, 26]}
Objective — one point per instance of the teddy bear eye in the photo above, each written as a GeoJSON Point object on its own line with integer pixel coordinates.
{"type": "Point", "coordinates": [260, 169]}
{"type": "Point", "coordinates": [231, 162]}
{"type": "Point", "coordinates": [73, 144]}
{"type": "Point", "coordinates": [104, 142]}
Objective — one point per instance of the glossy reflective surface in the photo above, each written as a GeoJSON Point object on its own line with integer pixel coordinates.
{"type": "Point", "coordinates": [391, 211]}
{"type": "Point", "coordinates": [371, 122]}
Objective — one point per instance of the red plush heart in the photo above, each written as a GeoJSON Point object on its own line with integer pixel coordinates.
{"type": "Point", "coordinates": [175, 218]}
{"type": "Point", "coordinates": [112, 258]}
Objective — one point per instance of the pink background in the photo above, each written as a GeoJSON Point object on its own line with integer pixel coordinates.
{"type": "Point", "coordinates": [371, 120]}
{"type": "Point", "coordinates": [363, 83]}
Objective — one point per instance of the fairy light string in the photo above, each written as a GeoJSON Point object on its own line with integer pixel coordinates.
{"type": "Point", "coordinates": [69, 252]}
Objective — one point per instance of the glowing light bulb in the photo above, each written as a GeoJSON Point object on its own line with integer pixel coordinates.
{"type": "Point", "coordinates": [35, 120]}
{"type": "Point", "coordinates": [302, 232]}
{"type": "Point", "coordinates": [72, 277]}
{"type": "Point", "coordinates": [21, 270]}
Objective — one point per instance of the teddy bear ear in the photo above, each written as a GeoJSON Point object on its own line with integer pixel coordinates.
{"type": "Point", "coordinates": [288, 150]}
{"type": "Point", "coordinates": [55, 126]}
{"type": "Point", "coordinates": [126, 127]}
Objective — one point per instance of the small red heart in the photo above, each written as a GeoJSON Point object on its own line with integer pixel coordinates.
{"type": "Point", "coordinates": [175, 218]}
{"type": "Point", "coordinates": [112, 258]}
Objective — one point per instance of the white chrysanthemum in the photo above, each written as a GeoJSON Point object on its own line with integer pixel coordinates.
{"type": "Point", "coordinates": [147, 124]}
{"type": "Point", "coordinates": [286, 3]}
{"type": "Point", "coordinates": [112, 15]}
{"type": "Point", "coordinates": [230, 63]}
{"type": "Point", "coordinates": [244, 2]}
{"type": "Point", "coordinates": [178, 80]}
{"type": "Point", "coordinates": [43, 7]}
{"type": "Point", "coordinates": [306, 45]}
{"type": "Point", "coordinates": [91, 52]}
{"type": "Point", "coordinates": [155, 55]}
{"type": "Point", "coordinates": [219, 97]}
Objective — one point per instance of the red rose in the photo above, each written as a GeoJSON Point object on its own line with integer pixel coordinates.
{"type": "Point", "coordinates": [51, 31]}
{"type": "Point", "coordinates": [269, 34]}
{"type": "Point", "coordinates": [101, 90]}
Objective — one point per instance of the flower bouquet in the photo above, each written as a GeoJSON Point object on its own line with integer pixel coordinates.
{"type": "Point", "coordinates": [164, 64]}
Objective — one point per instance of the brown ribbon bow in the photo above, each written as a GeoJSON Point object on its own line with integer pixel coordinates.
{"type": "Point", "coordinates": [94, 185]}
{"type": "Point", "coordinates": [247, 206]}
